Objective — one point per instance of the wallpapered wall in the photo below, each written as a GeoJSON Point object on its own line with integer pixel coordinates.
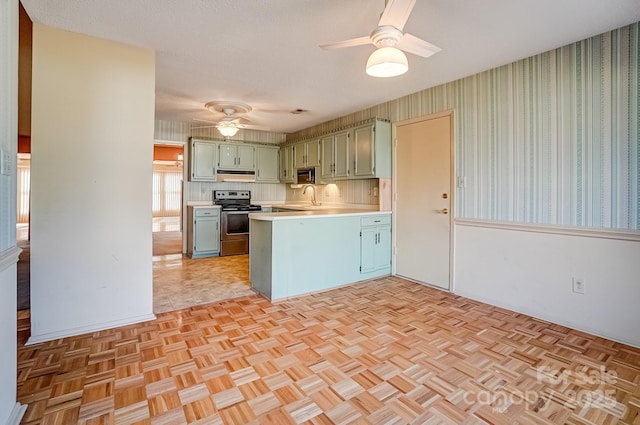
{"type": "Point", "coordinates": [551, 139]}
{"type": "Point", "coordinates": [180, 131]}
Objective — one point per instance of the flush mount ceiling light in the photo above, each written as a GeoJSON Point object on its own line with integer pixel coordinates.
{"type": "Point", "coordinates": [389, 60]}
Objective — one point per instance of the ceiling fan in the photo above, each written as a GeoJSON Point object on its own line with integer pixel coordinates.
{"type": "Point", "coordinates": [230, 123]}
{"type": "Point", "coordinates": [389, 60]}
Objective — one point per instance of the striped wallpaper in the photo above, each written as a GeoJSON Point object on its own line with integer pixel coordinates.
{"type": "Point", "coordinates": [551, 139]}
{"type": "Point", "coordinates": [180, 131]}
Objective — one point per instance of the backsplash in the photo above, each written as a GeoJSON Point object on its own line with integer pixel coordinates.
{"type": "Point", "coordinates": [199, 191]}
{"type": "Point", "coordinates": [343, 192]}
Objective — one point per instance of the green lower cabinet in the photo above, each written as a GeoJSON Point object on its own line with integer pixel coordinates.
{"type": "Point", "coordinates": [203, 234]}
{"type": "Point", "coordinates": [293, 255]}
{"type": "Point", "coordinates": [375, 244]}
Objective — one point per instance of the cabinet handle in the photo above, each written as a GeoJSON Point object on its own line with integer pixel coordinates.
{"type": "Point", "coordinates": [258, 173]}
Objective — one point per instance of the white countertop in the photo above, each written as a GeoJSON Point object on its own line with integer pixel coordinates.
{"type": "Point", "coordinates": [316, 213]}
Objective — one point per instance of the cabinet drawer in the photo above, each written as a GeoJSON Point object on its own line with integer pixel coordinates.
{"type": "Point", "coordinates": [375, 220]}
{"type": "Point", "coordinates": [207, 212]}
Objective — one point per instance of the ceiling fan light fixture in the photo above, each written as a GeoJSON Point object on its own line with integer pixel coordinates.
{"type": "Point", "coordinates": [387, 62]}
{"type": "Point", "coordinates": [227, 129]}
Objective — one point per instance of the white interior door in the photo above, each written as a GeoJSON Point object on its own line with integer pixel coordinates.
{"type": "Point", "coordinates": [423, 203]}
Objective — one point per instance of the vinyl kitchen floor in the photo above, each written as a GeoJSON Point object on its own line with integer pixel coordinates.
{"type": "Point", "coordinates": [386, 351]}
{"type": "Point", "coordinates": [180, 282]}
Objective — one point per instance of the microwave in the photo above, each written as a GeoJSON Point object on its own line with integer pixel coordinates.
{"type": "Point", "coordinates": [306, 176]}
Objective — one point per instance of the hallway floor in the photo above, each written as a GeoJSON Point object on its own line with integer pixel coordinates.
{"type": "Point", "coordinates": [180, 282]}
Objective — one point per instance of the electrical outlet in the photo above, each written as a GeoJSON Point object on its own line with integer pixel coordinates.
{"type": "Point", "coordinates": [462, 182]}
{"type": "Point", "coordinates": [579, 285]}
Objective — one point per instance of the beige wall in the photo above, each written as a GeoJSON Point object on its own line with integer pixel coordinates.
{"type": "Point", "coordinates": [92, 153]}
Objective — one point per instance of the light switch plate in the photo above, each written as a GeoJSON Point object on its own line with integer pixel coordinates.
{"type": "Point", "coordinates": [5, 162]}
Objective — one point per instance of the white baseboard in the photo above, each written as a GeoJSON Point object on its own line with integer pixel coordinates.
{"type": "Point", "coordinates": [16, 414]}
{"type": "Point", "coordinates": [35, 339]}
{"type": "Point", "coordinates": [546, 317]}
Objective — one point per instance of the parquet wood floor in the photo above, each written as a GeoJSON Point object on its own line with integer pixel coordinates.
{"type": "Point", "coordinates": [386, 351]}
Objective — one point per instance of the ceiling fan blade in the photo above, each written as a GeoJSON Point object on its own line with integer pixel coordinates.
{"type": "Point", "coordinates": [396, 13]}
{"type": "Point", "coordinates": [203, 126]}
{"type": "Point", "coordinates": [241, 120]}
{"type": "Point", "coordinates": [209, 121]}
{"type": "Point", "coordinates": [347, 43]}
{"type": "Point", "coordinates": [417, 46]}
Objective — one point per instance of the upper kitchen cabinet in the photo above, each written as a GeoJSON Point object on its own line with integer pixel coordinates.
{"type": "Point", "coordinates": [267, 159]}
{"type": "Point", "coordinates": [306, 154]}
{"type": "Point", "coordinates": [236, 157]}
{"type": "Point", "coordinates": [370, 149]}
{"type": "Point", "coordinates": [287, 174]}
{"type": "Point", "coordinates": [203, 160]}
{"type": "Point", "coordinates": [335, 156]}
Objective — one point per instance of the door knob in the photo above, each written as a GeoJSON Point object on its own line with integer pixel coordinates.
{"type": "Point", "coordinates": [444, 211]}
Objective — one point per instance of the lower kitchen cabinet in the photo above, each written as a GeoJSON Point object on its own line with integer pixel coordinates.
{"type": "Point", "coordinates": [203, 232]}
{"type": "Point", "coordinates": [294, 254]}
{"type": "Point", "coordinates": [375, 244]}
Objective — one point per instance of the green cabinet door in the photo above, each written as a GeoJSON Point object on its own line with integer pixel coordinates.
{"type": "Point", "coordinates": [327, 161]}
{"type": "Point", "coordinates": [341, 143]}
{"type": "Point", "coordinates": [203, 161]}
{"type": "Point", "coordinates": [375, 244]}
{"type": "Point", "coordinates": [206, 234]}
{"type": "Point", "coordinates": [245, 158]}
{"type": "Point", "coordinates": [299, 155]}
{"type": "Point", "coordinates": [203, 231]}
{"type": "Point", "coordinates": [227, 157]}
{"type": "Point", "coordinates": [236, 157]}
{"type": "Point", "coordinates": [368, 245]}
{"type": "Point", "coordinates": [286, 165]}
{"type": "Point", "coordinates": [362, 149]}
{"type": "Point", "coordinates": [267, 164]}
{"type": "Point", "coordinates": [383, 248]}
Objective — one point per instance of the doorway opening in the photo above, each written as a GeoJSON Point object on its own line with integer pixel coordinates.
{"type": "Point", "coordinates": [168, 172]}
{"type": "Point", "coordinates": [23, 205]}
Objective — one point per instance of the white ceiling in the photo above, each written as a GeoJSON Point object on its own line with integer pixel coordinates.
{"type": "Point", "coordinates": [266, 54]}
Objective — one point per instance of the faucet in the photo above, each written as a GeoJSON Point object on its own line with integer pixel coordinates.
{"type": "Point", "coordinates": [313, 199]}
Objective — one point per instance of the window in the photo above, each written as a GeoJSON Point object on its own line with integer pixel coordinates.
{"type": "Point", "coordinates": [22, 194]}
{"type": "Point", "coordinates": [167, 191]}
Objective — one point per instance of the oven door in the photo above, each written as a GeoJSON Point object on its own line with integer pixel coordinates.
{"type": "Point", "coordinates": [235, 225]}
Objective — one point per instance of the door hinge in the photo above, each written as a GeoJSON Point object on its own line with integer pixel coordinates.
{"type": "Point", "coordinates": [360, 268]}
{"type": "Point", "coordinates": [360, 234]}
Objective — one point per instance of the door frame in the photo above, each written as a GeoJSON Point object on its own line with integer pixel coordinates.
{"type": "Point", "coordinates": [452, 196]}
{"type": "Point", "coordinates": [185, 175]}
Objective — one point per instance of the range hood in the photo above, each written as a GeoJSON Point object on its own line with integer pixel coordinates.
{"type": "Point", "coordinates": [236, 176]}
